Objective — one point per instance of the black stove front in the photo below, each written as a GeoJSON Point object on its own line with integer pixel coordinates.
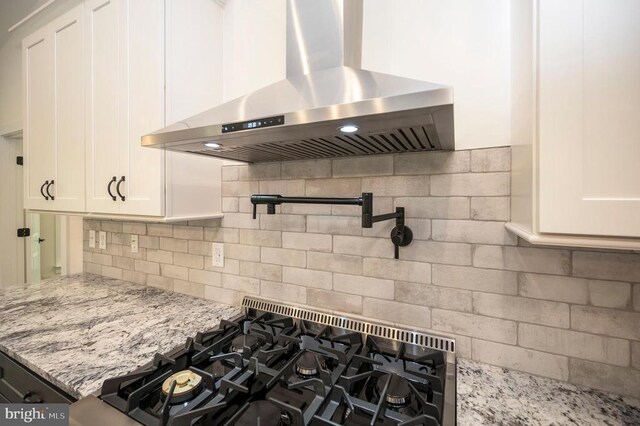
{"type": "Point", "coordinates": [264, 368]}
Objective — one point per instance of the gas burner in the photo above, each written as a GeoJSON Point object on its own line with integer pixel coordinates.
{"type": "Point", "coordinates": [307, 365]}
{"type": "Point", "coordinates": [398, 392]}
{"type": "Point", "coordinates": [245, 341]}
{"type": "Point", "coordinates": [188, 385]}
{"type": "Point", "coordinates": [271, 369]}
{"type": "Point", "coordinates": [263, 413]}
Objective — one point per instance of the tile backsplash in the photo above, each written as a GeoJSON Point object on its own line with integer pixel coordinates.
{"type": "Point", "coordinates": [568, 314]}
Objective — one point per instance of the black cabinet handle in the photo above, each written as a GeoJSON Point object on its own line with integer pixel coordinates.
{"type": "Point", "coordinates": [48, 193]}
{"type": "Point", "coordinates": [42, 189]}
{"type": "Point", "coordinates": [31, 398]}
{"type": "Point", "coordinates": [118, 188]}
{"type": "Point", "coordinates": [111, 182]}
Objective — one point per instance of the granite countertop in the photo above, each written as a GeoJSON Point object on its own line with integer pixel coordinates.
{"type": "Point", "coordinates": [489, 395]}
{"type": "Point", "coordinates": [76, 331]}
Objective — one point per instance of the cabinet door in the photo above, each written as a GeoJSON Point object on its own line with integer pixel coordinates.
{"type": "Point", "coordinates": [69, 186]}
{"type": "Point", "coordinates": [142, 26]}
{"type": "Point", "coordinates": [38, 116]}
{"type": "Point", "coordinates": [589, 109]}
{"type": "Point", "coordinates": [105, 111]}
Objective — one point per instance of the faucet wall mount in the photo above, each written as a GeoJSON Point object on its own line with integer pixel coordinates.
{"type": "Point", "coordinates": [401, 235]}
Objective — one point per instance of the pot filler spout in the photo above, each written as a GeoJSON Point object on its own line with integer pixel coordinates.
{"type": "Point", "coordinates": [327, 106]}
{"type": "Point", "coordinates": [401, 235]}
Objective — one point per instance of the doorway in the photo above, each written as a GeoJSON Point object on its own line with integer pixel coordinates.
{"type": "Point", "coordinates": [12, 216]}
{"type": "Point", "coordinates": [55, 245]}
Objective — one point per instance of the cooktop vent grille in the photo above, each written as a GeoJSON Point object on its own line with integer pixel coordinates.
{"type": "Point", "coordinates": [406, 336]}
{"type": "Point", "coordinates": [408, 139]}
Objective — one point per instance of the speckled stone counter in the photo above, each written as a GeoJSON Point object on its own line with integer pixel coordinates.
{"type": "Point", "coordinates": [79, 330]}
{"type": "Point", "coordinates": [490, 395]}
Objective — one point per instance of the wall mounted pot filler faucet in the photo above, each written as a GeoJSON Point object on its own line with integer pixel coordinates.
{"type": "Point", "coordinates": [401, 235]}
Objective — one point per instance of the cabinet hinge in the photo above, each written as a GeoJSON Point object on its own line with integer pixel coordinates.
{"type": "Point", "coordinates": [24, 232]}
{"type": "Point", "coordinates": [19, 160]}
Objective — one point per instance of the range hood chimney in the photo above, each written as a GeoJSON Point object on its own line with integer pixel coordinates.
{"type": "Point", "coordinates": [327, 106]}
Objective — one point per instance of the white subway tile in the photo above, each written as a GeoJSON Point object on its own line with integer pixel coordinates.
{"type": "Point", "coordinates": [397, 313]}
{"type": "Point", "coordinates": [262, 271]}
{"type": "Point", "coordinates": [471, 184]}
{"type": "Point", "coordinates": [306, 169]}
{"type": "Point", "coordinates": [491, 160]}
{"type": "Point", "coordinates": [173, 271]}
{"type": "Point", "coordinates": [306, 241]}
{"type": "Point", "coordinates": [609, 294]}
{"type": "Point", "coordinates": [436, 252]}
{"type": "Point", "coordinates": [574, 344]}
{"type": "Point", "coordinates": [553, 287]}
{"type": "Point", "coordinates": [335, 262]}
{"type": "Point", "coordinates": [283, 292]}
{"type": "Point", "coordinates": [260, 237]}
{"type": "Point", "coordinates": [522, 309]}
{"type": "Point", "coordinates": [307, 277]}
{"type": "Point", "coordinates": [491, 208]}
{"type": "Point", "coordinates": [527, 360]}
{"type": "Point", "coordinates": [335, 187]}
{"type": "Point", "coordinates": [487, 328]}
{"type": "Point", "coordinates": [484, 280]}
{"type": "Point", "coordinates": [434, 297]}
{"type": "Point", "coordinates": [618, 380]}
{"type": "Point", "coordinates": [284, 257]}
{"type": "Point", "coordinates": [472, 231]}
{"type": "Point", "coordinates": [363, 166]}
{"type": "Point", "coordinates": [365, 286]}
{"type": "Point", "coordinates": [435, 162]}
{"type": "Point", "coordinates": [334, 301]}
{"type": "Point", "coordinates": [434, 207]}
{"type": "Point", "coordinates": [606, 266]}
{"type": "Point", "coordinates": [242, 284]}
{"type": "Point", "coordinates": [616, 323]}
{"type": "Point", "coordinates": [396, 186]}
{"type": "Point", "coordinates": [205, 277]}
{"type": "Point", "coordinates": [399, 270]}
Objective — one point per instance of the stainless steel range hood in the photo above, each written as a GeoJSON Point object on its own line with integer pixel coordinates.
{"type": "Point", "coordinates": [326, 107]}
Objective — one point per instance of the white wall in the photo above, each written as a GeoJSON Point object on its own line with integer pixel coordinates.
{"type": "Point", "coordinates": [10, 83]}
{"type": "Point", "coordinates": [254, 37]}
{"type": "Point", "coordinates": [463, 43]}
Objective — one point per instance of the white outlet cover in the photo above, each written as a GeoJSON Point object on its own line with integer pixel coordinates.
{"type": "Point", "coordinates": [217, 255]}
{"type": "Point", "coordinates": [134, 244]}
{"type": "Point", "coordinates": [102, 240]}
{"type": "Point", "coordinates": [92, 238]}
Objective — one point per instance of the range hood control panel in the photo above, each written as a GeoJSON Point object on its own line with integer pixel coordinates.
{"type": "Point", "coordinates": [253, 124]}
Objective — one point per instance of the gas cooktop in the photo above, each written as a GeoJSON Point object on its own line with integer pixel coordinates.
{"type": "Point", "coordinates": [282, 365]}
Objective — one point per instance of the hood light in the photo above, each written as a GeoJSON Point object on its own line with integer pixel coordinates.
{"type": "Point", "coordinates": [212, 145]}
{"type": "Point", "coordinates": [348, 128]}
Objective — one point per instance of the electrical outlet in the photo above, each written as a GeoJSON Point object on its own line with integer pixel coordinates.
{"type": "Point", "coordinates": [134, 244]}
{"type": "Point", "coordinates": [102, 240]}
{"type": "Point", "coordinates": [217, 257]}
{"type": "Point", "coordinates": [92, 238]}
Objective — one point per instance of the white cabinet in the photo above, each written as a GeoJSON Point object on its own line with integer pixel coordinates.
{"type": "Point", "coordinates": [576, 132]}
{"type": "Point", "coordinates": [134, 66]}
{"type": "Point", "coordinates": [53, 115]}
{"type": "Point", "coordinates": [124, 71]}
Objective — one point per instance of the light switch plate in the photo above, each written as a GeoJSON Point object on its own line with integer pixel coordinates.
{"type": "Point", "coordinates": [134, 244]}
{"type": "Point", "coordinates": [92, 238]}
{"type": "Point", "coordinates": [217, 255]}
{"type": "Point", "coordinates": [102, 240]}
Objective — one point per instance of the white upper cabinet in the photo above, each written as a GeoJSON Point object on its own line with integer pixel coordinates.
{"type": "Point", "coordinates": [124, 42]}
{"type": "Point", "coordinates": [102, 76]}
{"type": "Point", "coordinates": [53, 115]}
{"type": "Point", "coordinates": [576, 152]}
